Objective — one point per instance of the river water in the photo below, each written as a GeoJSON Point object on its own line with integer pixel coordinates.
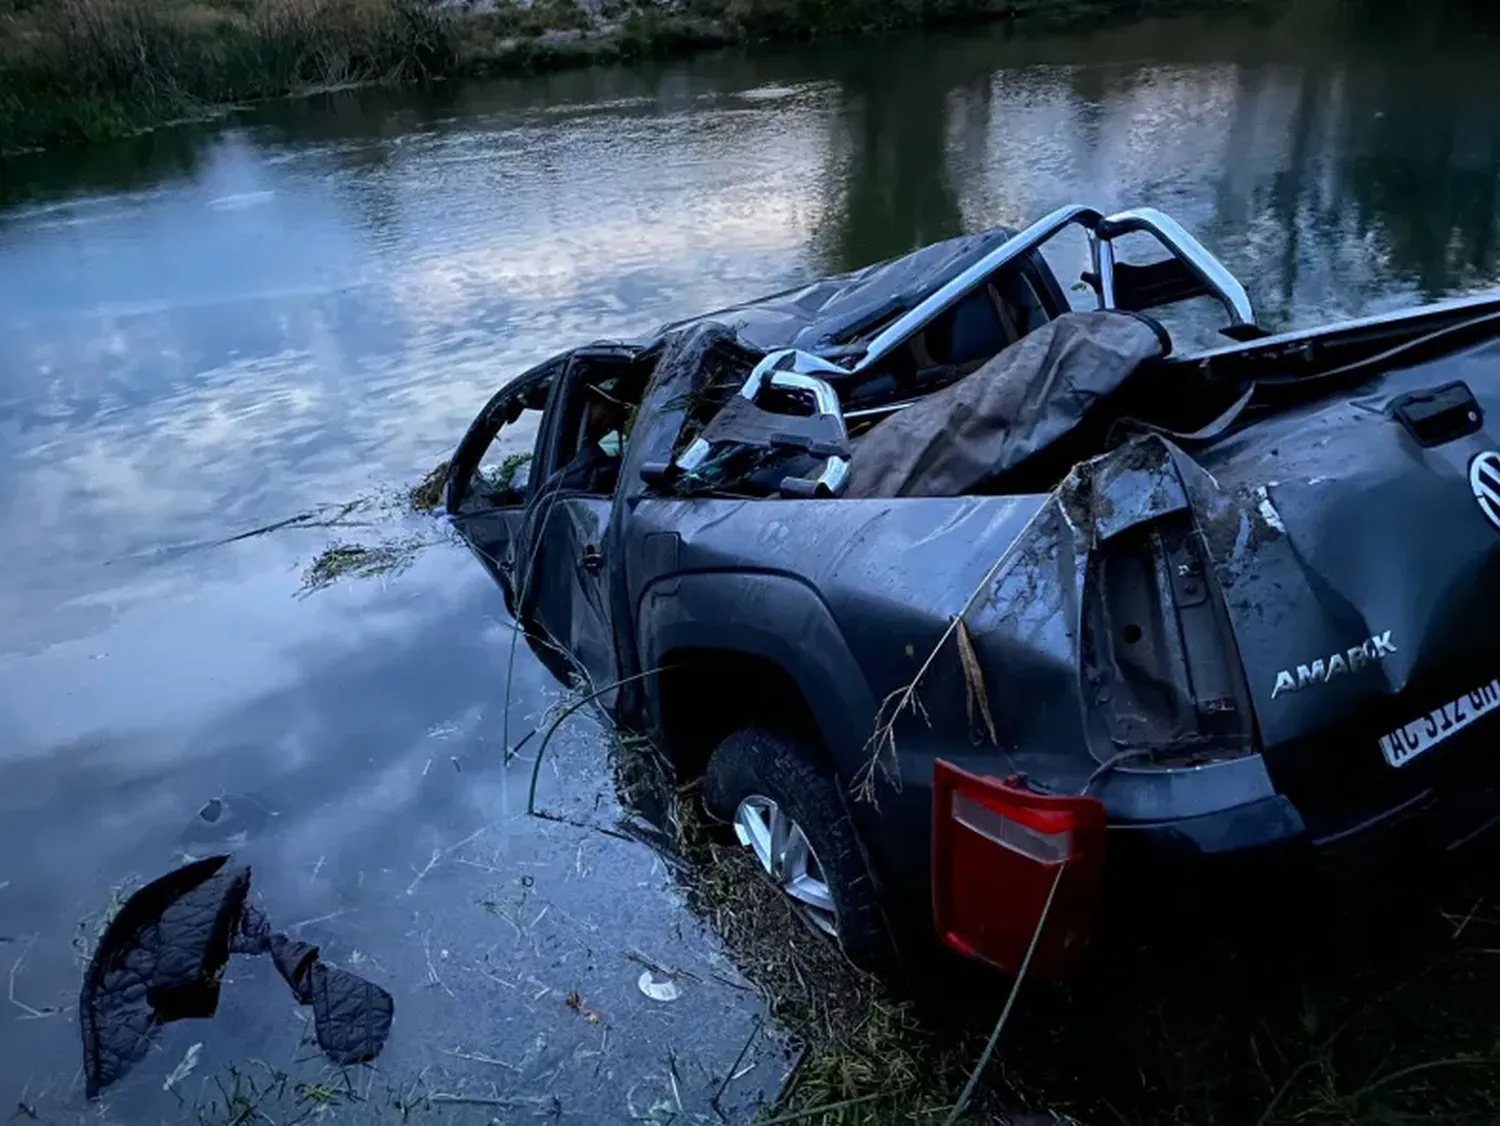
{"type": "Point", "coordinates": [214, 328]}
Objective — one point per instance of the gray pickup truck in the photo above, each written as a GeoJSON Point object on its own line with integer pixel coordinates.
{"type": "Point", "coordinates": [972, 595]}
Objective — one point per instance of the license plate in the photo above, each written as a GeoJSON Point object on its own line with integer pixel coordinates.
{"type": "Point", "coordinates": [1421, 735]}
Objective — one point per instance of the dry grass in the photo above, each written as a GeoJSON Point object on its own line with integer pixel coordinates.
{"type": "Point", "coordinates": [361, 561]}
{"type": "Point", "coordinates": [79, 69]}
{"type": "Point", "coordinates": [427, 494]}
{"type": "Point", "coordinates": [1369, 1005]}
{"type": "Point", "coordinates": [390, 553]}
{"type": "Point", "coordinates": [866, 1057]}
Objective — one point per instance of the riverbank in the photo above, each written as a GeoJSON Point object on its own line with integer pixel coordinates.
{"type": "Point", "coordinates": [83, 70]}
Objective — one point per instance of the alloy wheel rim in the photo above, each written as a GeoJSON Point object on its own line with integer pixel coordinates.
{"type": "Point", "coordinates": [787, 856]}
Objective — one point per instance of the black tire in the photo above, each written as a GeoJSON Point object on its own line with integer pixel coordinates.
{"type": "Point", "coordinates": [753, 761]}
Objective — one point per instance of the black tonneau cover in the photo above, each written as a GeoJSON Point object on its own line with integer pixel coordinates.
{"type": "Point", "coordinates": [1032, 394]}
{"type": "Point", "coordinates": [830, 310]}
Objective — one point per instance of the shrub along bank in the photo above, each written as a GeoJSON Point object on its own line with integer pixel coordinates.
{"type": "Point", "coordinates": [89, 69]}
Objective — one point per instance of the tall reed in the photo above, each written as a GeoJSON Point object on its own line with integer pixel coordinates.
{"type": "Point", "coordinates": [74, 69]}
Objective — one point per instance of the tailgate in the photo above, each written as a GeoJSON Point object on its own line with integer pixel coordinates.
{"type": "Point", "coordinates": [1368, 628]}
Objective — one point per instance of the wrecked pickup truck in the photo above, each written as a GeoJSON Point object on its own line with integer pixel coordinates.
{"type": "Point", "coordinates": [964, 588]}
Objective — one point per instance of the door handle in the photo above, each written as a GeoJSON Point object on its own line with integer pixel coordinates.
{"type": "Point", "coordinates": [592, 560]}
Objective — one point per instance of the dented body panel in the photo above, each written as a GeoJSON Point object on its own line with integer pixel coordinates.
{"type": "Point", "coordinates": [1385, 573]}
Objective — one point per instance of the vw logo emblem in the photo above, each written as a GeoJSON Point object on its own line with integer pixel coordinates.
{"type": "Point", "coordinates": [1484, 477]}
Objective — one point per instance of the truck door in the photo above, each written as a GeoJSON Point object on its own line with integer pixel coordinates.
{"type": "Point", "coordinates": [565, 567]}
{"type": "Point", "coordinates": [490, 478]}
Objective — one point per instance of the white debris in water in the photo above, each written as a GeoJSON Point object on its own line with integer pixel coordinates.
{"type": "Point", "coordinates": [664, 990]}
{"type": "Point", "coordinates": [185, 1068]}
{"type": "Point", "coordinates": [240, 201]}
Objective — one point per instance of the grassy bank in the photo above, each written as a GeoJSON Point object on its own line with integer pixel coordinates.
{"type": "Point", "coordinates": [74, 70]}
{"type": "Point", "coordinates": [86, 69]}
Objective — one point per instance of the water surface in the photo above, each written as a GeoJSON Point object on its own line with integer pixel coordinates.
{"type": "Point", "coordinates": [210, 329]}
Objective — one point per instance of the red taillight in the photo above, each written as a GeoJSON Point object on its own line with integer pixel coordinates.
{"type": "Point", "coordinates": [996, 849]}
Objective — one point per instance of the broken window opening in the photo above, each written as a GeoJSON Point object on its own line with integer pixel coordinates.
{"type": "Point", "coordinates": [492, 466]}
{"type": "Point", "coordinates": [601, 398]}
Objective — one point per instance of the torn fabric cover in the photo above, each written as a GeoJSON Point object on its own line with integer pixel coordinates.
{"type": "Point", "coordinates": [162, 957]}
{"type": "Point", "coordinates": [1031, 394]}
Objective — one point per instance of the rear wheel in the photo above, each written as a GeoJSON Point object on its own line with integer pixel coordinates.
{"type": "Point", "coordinates": [784, 807]}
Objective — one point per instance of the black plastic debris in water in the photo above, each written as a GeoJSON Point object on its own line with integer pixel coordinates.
{"type": "Point", "coordinates": [225, 822]}
{"type": "Point", "coordinates": [161, 959]}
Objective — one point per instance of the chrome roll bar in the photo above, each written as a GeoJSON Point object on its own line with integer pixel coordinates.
{"type": "Point", "coordinates": [1220, 283]}
{"type": "Point", "coordinates": [1210, 272]}
{"type": "Point", "coordinates": [939, 300]}
{"type": "Point", "coordinates": [792, 370]}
